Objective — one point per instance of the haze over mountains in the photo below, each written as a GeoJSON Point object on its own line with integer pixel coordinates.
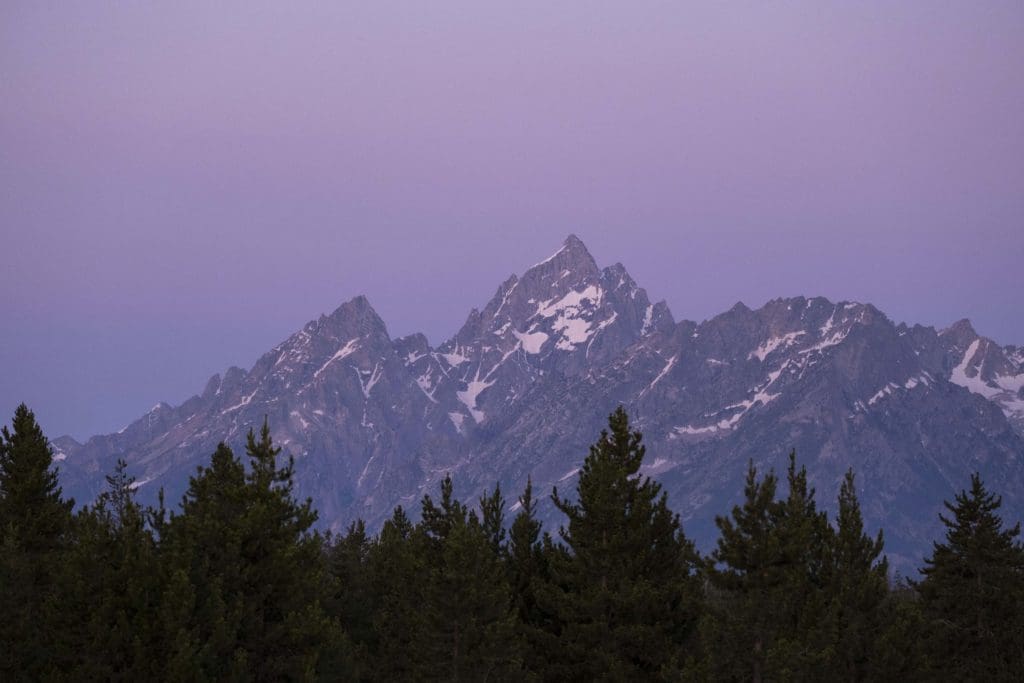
{"type": "Point", "coordinates": [527, 383]}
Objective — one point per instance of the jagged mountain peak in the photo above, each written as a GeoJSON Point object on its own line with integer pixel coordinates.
{"type": "Point", "coordinates": [960, 334]}
{"type": "Point", "coordinates": [574, 242]}
{"type": "Point", "coordinates": [219, 384]}
{"type": "Point", "coordinates": [353, 319]}
{"type": "Point", "coordinates": [414, 343]}
{"type": "Point", "coordinates": [801, 313]}
{"type": "Point", "coordinates": [962, 326]}
{"type": "Point", "coordinates": [356, 309]}
{"type": "Point", "coordinates": [738, 308]}
{"type": "Point", "coordinates": [569, 288]}
{"type": "Point", "coordinates": [527, 382]}
{"type": "Point", "coordinates": [572, 260]}
{"type": "Point", "coordinates": [562, 317]}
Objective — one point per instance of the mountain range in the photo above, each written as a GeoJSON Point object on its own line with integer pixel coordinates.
{"type": "Point", "coordinates": [527, 383]}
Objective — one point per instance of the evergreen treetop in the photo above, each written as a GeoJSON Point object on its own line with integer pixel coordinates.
{"type": "Point", "coordinates": [973, 590]}
{"type": "Point", "coordinates": [31, 506]}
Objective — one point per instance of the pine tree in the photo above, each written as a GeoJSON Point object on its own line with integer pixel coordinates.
{"type": "Point", "coordinates": [803, 645]}
{"type": "Point", "coordinates": [440, 519]}
{"type": "Point", "coordinates": [765, 582]}
{"type": "Point", "coordinates": [397, 562]}
{"type": "Point", "coordinates": [465, 626]}
{"type": "Point", "coordinates": [492, 518]}
{"type": "Point", "coordinates": [628, 604]}
{"type": "Point", "coordinates": [899, 652]}
{"type": "Point", "coordinates": [469, 617]}
{"type": "Point", "coordinates": [34, 526]}
{"type": "Point", "coordinates": [257, 569]}
{"type": "Point", "coordinates": [973, 591]}
{"type": "Point", "coordinates": [857, 587]}
{"type": "Point", "coordinates": [529, 576]}
{"type": "Point", "coordinates": [745, 568]}
{"type": "Point", "coordinates": [32, 511]}
{"type": "Point", "coordinates": [109, 593]}
{"type": "Point", "coordinates": [353, 600]}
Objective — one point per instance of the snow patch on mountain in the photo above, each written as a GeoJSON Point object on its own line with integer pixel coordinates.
{"type": "Point", "coordinates": [343, 352]}
{"type": "Point", "coordinates": [1004, 390]}
{"type": "Point", "coordinates": [457, 420]}
{"type": "Point", "coordinates": [882, 393]}
{"type": "Point", "coordinates": [834, 340]}
{"type": "Point", "coordinates": [924, 378]}
{"type": "Point", "coordinates": [567, 313]}
{"type": "Point", "coordinates": [373, 376]}
{"type": "Point", "coordinates": [766, 348]}
{"type": "Point", "coordinates": [454, 359]}
{"type": "Point", "coordinates": [469, 396]}
{"type": "Point", "coordinates": [691, 430]}
{"type": "Point", "coordinates": [571, 473]}
{"type": "Point", "coordinates": [244, 402]}
{"type": "Point", "coordinates": [648, 320]}
{"type": "Point", "coordinates": [426, 384]}
{"type": "Point", "coordinates": [570, 303]}
{"type": "Point", "coordinates": [531, 341]}
{"type": "Point", "coordinates": [664, 371]}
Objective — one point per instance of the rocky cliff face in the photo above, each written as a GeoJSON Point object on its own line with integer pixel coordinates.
{"type": "Point", "coordinates": [527, 383]}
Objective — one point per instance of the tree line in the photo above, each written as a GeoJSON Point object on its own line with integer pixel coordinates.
{"type": "Point", "coordinates": [236, 584]}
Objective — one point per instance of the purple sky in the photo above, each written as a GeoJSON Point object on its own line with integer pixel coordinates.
{"type": "Point", "coordinates": [181, 187]}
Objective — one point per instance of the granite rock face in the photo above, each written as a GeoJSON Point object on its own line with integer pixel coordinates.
{"type": "Point", "coordinates": [527, 383]}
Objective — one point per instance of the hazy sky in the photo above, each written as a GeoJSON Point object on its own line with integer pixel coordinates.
{"type": "Point", "coordinates": [182, 185]}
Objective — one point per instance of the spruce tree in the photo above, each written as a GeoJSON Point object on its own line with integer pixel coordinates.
{"type": "Point", "coordinates": [973, 591]}
{"type": "Point", "coordinates": [34, 526]}
{"type": "Point", "coordinates": [628, 600]}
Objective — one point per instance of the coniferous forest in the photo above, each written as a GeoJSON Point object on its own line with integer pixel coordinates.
{"type": "Point", "coordinates": [234, 582]}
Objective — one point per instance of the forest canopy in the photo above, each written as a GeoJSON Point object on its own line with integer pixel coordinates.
{"type": "Point", "coordinates": [235, 582]}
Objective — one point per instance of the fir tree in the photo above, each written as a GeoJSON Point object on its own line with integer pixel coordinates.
{"type": "Point", "coordinates": [973, 591]}
{"type": "Point", "coordinates": [628, 603]}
